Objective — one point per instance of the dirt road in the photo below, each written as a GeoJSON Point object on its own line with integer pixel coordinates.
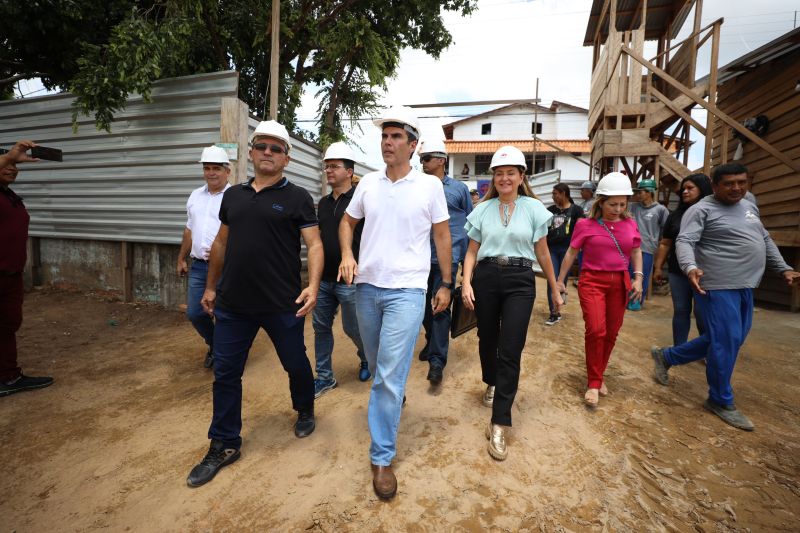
{"type": "Point", "coordinates": [109, 445]}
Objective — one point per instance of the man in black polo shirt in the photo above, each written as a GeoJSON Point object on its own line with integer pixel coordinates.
{"type": "Point", "coordinates": [257, 255]}
{"type": "Point", "coordinates": [339, 164]}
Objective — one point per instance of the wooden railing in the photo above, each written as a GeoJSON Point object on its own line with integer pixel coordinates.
{"type": "Point", "coordinates": [615, 88]}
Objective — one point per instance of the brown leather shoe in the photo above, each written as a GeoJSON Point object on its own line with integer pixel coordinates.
{"type": "Point", "coordinates": [384, 482]}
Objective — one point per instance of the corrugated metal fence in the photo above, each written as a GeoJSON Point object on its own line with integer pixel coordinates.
{"type": "Point", "coordinates": [130, 184]}
{"type": "Point", "coordinates": [127, 185]}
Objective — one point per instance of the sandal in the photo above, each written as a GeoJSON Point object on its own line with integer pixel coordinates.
{"type": "Point", "coordinates": [591, 397]}
{"type": "Point", "coordinates": [603, 389]}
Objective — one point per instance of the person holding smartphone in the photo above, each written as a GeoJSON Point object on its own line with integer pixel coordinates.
{"type": "Point", "coordinates": [610, 241]}
{"type": "Point", "coordinates": [14, 221]}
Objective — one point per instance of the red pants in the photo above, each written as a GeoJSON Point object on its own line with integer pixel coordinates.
{"type": "Point", "coordinates": [10, 320]}
{"type": "Point", "coordinates": [603, 296]}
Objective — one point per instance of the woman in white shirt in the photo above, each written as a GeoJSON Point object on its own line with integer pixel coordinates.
{"type": "Point", "coordinates": [506, 231]}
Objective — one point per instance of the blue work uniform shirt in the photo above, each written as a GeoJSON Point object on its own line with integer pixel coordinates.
{"type": "Point", "coordinates": [459, 206]}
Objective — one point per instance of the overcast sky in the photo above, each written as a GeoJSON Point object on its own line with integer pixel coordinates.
{"type": "Point", "coordinates": [502, 48]}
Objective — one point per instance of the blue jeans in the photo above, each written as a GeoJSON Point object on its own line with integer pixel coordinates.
{"type": "Point", "coordinates": [682, 295]}
{"type": "Point", "coordinates": [647, 269]}
{"type": "Point", "coordinates": [331, 295]}
{"type": "Point", "coordinates": [201, 320]}
{"type": "Point", "coordinates": [557, 254]}
{"type": "Point", "coordinates": [232, 340]}
{"type": "Point", "coordinates": [728, 315]}
{"type": "Point", "coordinates": [389, 321]}
{"type": "Point", "coordinates": [437, 327]}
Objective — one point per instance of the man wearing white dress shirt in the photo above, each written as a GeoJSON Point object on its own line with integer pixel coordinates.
{"type": "Point", "coordinates": [201, 229]}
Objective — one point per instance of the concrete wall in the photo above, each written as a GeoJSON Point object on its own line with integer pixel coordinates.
{"type": "Point", "coordinates": [97, 266]}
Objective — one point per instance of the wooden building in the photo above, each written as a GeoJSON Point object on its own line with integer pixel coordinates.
{"type": "Point", "coordinates": [766, 83]}
{"type": "Point", "coordinates": [640, 108]}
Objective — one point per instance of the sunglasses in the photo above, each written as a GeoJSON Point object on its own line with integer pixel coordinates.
{"type": "Point", "coordinates": [274, 148]}
{"type": "Point", "coordinates": [332, 166]}
{"type": "Point", "coordinates": [425, 158]}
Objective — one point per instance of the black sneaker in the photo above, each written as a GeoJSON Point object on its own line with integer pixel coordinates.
{"type": "Point", "coordinates": [217, 457]}
{"type": "Point", "coordinates": [209, 362]}
{"type": "Point", "coordinates": [435, 375]}
{"type": "Point", "coordinates": [423, 354]}
{"type": "Point", "coordinates": [552, 320]}
{"type": "Point", "coordinates": [305, 423]}
{"type": "Point", "coordinates": [23, 383]}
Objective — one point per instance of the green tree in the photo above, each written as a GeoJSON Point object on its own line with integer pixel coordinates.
{"type": "Point", "coordinates": [102, 51]}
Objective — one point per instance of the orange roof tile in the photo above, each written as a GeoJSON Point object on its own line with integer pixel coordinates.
{"type": "Point", "coordinates": [490, 147]}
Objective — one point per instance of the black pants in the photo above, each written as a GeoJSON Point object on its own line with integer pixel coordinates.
{"type": "Point", "coordinates": [503, 303]}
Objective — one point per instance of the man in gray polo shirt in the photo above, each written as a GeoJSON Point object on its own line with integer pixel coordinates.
{"type": "Point", "coordinates": [651, 217]}
{"type": "Point", "coordinates": [723, 248]}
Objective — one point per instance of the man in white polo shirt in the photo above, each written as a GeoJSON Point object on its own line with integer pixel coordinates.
{"type": "Point", "coordinates": [201, 229]}
{"type": "Point", "coordinates": [401, 208]}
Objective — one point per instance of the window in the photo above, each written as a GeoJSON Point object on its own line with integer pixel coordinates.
{"type": "Point", "coordinates": [486, 129]}
{"type": "Point", "coordinates": [536, 127]}
{"type": "Point", "coordinates": [544, 162]}
{"type": "Point", "coordinates": [482, 162]}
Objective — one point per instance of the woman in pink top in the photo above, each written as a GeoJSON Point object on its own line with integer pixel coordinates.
{"type": "Point", "coordinates": [609, 239]}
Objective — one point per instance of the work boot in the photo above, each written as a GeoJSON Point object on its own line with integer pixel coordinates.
{"type": "Point", "coordinates": [217, 457]}
{"type": "Point", "coordinates": [305, 423]}
{"type": "Point", "coordinates": [660, 365]}
{"type": "Point", "coordinates": [730, 415]}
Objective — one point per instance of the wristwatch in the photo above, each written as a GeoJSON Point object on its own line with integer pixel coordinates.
{"type": "Point", "coordinates": [447, 285]}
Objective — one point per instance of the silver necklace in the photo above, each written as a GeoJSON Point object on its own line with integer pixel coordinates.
{"type": "Point", "coordinates": [505, 218]}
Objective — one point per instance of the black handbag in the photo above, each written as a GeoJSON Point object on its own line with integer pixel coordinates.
{"type": "Point", "coordinates": [463, 319]}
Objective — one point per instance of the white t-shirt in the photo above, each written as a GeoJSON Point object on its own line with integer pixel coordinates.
{"type": "Point", "coordinates": [202, 210]}
{"type": "Point", "coordinates": [395, 248]}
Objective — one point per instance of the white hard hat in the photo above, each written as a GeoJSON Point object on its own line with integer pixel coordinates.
{"type": "Point", "coordinates": [615, 184]}
{"type": "Point", "coordinates": [508, 155]}
{"type": "Point", "coordinates": [214, 154]}
{"type": "Point", "coordinates": [434, 147]}
{"type": "Point", "coordinates": [401, 115]}
{"type": "Point", "coordinates": [339, 150]}
{"type": "Point", "coordinates": [271, 128]}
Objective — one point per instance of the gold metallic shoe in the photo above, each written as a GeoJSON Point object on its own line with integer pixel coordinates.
{"type": "Point", "coordinates": [488, 396]}
{"type": "Point", "coordinates": [497, 441]}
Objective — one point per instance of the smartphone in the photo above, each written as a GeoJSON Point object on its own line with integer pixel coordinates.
{"type": "Point", "coordinates": [44, 152]}
{"type": "Point", "coordinates": [564, 297]}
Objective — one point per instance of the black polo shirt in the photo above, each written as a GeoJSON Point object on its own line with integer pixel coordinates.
{"type": "Point", "coordinates": [330, 215]}
{"type": "Point", "coordinates": [262, 258]}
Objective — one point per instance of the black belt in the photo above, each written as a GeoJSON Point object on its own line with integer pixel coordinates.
{"type": "Point", "coordinates": [502, 260]}
{"type": "Point", "coordinates": [199, 260]}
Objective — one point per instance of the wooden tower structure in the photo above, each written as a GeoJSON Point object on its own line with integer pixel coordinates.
{"type": "Point", "coordinates": [640, 109]}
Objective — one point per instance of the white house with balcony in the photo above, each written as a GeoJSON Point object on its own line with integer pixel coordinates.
{"type": "Point", "coordinates": [561, 140]}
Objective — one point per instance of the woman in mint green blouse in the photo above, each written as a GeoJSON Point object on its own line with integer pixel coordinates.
{"type": "Point", "coordinates": [507, 230]}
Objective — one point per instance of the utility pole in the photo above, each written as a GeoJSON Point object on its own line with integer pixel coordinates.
{"type": "Point", "coordinates": [535, 127]}
{"type": "Point", "coordinates": [273, 59]}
